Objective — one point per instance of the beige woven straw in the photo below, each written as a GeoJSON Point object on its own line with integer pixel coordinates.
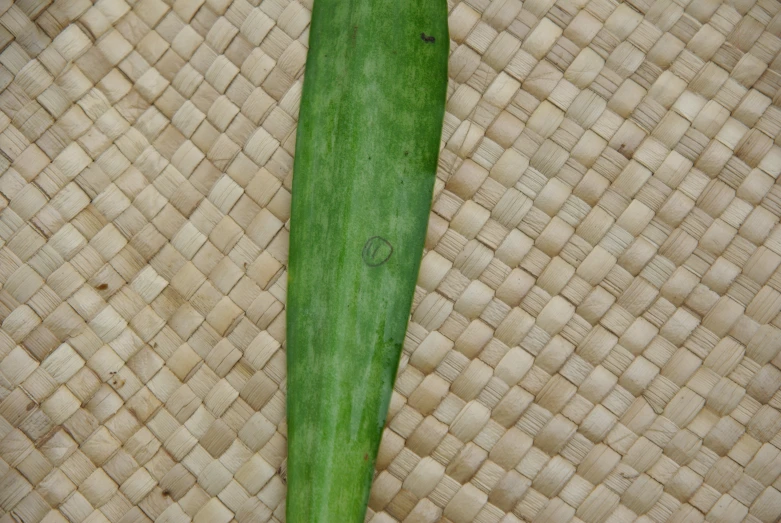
{"type": "Point", "coordinates": [595, 334]}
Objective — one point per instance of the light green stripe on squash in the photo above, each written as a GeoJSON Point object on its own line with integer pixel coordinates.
{"type": "Point", "coordinates": [366, 156]}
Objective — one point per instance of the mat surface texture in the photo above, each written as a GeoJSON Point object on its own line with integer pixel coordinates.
{"type": "Point", "coordinates": [595, 334]}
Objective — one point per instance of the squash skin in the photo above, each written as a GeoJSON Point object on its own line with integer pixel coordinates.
{"type": "Point", "coordinates": [366, 156]}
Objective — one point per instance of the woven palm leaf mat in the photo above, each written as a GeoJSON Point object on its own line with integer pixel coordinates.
{"type": "Point", "coordinates": [595, 334]}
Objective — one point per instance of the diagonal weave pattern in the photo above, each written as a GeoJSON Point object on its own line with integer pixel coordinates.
{"type": "Point", "coordinates": [595, 335]}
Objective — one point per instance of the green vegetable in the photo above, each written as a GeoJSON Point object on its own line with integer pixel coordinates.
{"type": "Point", "coordinates": [366, 156]}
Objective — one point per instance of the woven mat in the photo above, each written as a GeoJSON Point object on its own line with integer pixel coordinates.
{"type": "Point", "coordinates": [596, 331]}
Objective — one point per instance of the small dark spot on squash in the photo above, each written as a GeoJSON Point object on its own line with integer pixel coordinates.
{"type": "Point", "coordinates": [376, 251]}
{"type": "Point", "coordinates": [427, 39]}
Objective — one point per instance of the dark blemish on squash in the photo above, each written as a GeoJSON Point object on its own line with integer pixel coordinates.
{"type": "Point", "coordinates": [102, 287]}
{"type": "Point", "coordinates": [406, 153]}
{"type": "Point", "coordinates": [366, 457]}
{"type": "Point", "coordinates": [427, 39]}
{"type": "Point", "coordinates": [376, 251]}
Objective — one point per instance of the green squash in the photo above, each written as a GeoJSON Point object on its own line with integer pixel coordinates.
{"type": "Point", "coordinates": [366, 156]}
